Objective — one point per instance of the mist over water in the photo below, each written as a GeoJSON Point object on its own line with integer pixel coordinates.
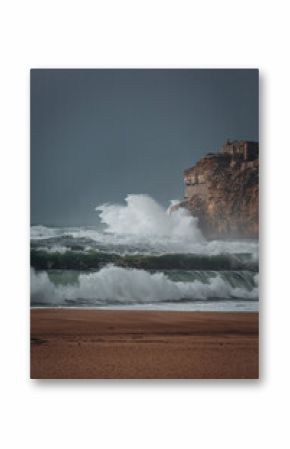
{"type": "Point", "coordinates": [157, 238]}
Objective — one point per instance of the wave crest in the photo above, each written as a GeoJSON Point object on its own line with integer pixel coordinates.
{"type": "Point", "coordinates": [142, 216]}
{"type": "Point", "coordinates": [122, 285]}
{"type": "Point", "coordinates": [141, 226]}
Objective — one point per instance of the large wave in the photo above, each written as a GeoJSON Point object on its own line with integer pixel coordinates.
{"type": "Point", "coordinates": [62, 258]}
{"type": "Point", "coordinates": [142, 221]}
{"type": "Point", "coordinates": [142, 216]}
{"type": "Point", "coordinates": [140, 226]}
{"type": "Point", "coordinates": [113, 285]}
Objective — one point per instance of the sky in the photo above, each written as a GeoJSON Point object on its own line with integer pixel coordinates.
{"type": "Point", "coordinates": [99, 134]}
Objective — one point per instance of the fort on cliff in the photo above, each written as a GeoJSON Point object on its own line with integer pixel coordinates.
{"type": "Point", "coordinates": [222, 190]}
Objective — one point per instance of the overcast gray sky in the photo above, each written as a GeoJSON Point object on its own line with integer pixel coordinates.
{"type": "Point", "coordinates": [97, 135]}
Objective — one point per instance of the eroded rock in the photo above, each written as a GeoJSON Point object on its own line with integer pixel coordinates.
{"type": "Point", "coordinates": [222, 190]}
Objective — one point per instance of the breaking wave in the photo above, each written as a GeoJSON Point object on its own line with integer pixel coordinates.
{"type": "Point", "coordinates": [77, 260]}
{"type": "Point", "coordinates": [142, 216]}
{"type": "Point", "coordinates": [146, 256]}
{"type": "Point", "coordinates": [140, 226]}
{"type": "Point", "coordinates": [113, 285]}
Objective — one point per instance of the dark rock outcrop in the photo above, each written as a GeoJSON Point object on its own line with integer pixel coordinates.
{"type": "Point", "coordinates": [222, 190]}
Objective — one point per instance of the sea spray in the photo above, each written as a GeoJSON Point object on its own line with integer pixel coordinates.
{"type": "Point", "coordinates": [140, 226]}
{"type": "Point", "coordinates": [142, 216]}
{"type": "Point", "coordinates": [143, 223]}
{"type": "Point", "coordinates": [147, 256]}
{"type": "Point", "coordinates": [112, 285]}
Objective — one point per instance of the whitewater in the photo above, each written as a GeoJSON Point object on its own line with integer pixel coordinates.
{"type": "Point", "coordinates": [141, 255]}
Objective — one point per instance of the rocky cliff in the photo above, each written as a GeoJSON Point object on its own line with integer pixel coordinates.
{"type": "Point", "coordinates": [222, 190]}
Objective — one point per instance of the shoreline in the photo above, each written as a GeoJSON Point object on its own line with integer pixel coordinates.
{"type": "Point", "coordinates": [208, 308]}
{"type": "Point", "coordinates": [83, 343]}
{"type": "Point", "coordinates": [146, 308]}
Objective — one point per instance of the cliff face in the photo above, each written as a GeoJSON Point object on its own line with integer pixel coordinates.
{"type": "Point", "coordinates": [222, 190]}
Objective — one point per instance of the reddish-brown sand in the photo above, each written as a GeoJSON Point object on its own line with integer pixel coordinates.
{"type": "Point", "coordinates": [102, 344]}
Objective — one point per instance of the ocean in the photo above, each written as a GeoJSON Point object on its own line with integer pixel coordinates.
{"type": "Point", "coordinates": [140, 255]}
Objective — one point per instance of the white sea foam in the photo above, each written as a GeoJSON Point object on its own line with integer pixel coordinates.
{"type": "Point", "coordinates": [142, 216]}
{"type": "Point", "coordinates": [143, 220]}
{"type": "Point", "coordinates": [44, 232]}
{"type": "Point", "coordinates": [125, 285]}
{"type": "Point", "coordinates": [53, 249]}
{"type": "Point", "coordinates": [40, 232]}
{"type": "Point", "coordinates": [141, 225]}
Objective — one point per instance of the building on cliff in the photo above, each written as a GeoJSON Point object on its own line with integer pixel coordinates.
{"type": "Point", "coordinates": [247, 150]}
{"type": "Point", "coordinates": [222, 190]}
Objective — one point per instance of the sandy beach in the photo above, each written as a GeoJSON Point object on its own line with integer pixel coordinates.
{"type": "Point", "coordinates": [103, 344]}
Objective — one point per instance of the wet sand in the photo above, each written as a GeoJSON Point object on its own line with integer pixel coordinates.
{"type": "Point", "coordinates": [103, 344]}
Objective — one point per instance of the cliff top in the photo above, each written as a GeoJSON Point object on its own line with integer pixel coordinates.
{"type": "Point", "coordinates": [243, 150]}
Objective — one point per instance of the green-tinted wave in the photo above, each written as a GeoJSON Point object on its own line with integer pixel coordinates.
{"type": "Point", "coordinates": [43, 260]}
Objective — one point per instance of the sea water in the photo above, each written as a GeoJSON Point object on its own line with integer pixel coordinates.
{"type": "Point", "coordinates": [141, 255]}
